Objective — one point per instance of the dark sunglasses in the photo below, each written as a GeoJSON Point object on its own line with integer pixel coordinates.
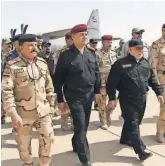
{"type": "Point", "coordinates": [138, 33]}
{"type": "Point", "coordinates": [94, 42]}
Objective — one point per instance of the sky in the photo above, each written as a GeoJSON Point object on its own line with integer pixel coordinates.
{"type": "Point", "coordinates": [116, 17]}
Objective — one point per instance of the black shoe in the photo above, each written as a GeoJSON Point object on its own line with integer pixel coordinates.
{"type": "Point", "coordinates": [128, 143]}
{"type": "Point", "coordinates": [74, 150]}
{"type": "Point", "coordinates": [87, 164]}
{"type": "Point", "coordinates": [3, 120]}
{"type": "Point", "coordinates": [144, 156]}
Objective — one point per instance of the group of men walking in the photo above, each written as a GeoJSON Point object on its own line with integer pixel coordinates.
{"type": "Point", "coordinates": [34, 79]}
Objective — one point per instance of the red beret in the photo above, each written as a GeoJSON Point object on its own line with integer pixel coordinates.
{"type": "Point", "coordinates": [107, 37]}
{"type": "Point", "coordinates": [79, 28]}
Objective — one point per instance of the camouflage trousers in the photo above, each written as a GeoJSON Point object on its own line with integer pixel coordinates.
{"type": "Point", "coordinates": [161, 120]}
{"type": "Point", "coordinates": [24, 137]}
{"type": "Point", "coordinates": [104, 111]}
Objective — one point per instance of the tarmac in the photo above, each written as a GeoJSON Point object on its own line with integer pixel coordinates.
{"type": "Point", "coordinates": [104, 145]}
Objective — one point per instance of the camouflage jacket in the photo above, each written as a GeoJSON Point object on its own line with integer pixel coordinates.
{"type": "Point", "coordinates": [105, 61]}
{"type": "Point", "coordinates": [27, 88]}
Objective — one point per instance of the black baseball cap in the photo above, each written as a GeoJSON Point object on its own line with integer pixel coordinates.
{"type": "Point", "coordinates": [136, 43]}
{"type": "Point", "coordinates": [93, 41]}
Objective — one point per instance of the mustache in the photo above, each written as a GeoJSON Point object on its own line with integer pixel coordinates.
{"type": "Point", "coordinates": [34, 51]}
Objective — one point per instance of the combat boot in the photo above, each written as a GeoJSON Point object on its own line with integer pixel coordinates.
{"type": "Point", "coordinates": [160, 138]}
{"type": "Point", "coordinates": [64, 125]}
{"type": "Point", "coordinates": [104, 126]}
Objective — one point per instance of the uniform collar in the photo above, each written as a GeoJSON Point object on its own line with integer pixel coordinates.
{"type": "Point", "coordinates": [131, 57]}
{"type": "Point", "coordinates": [26, 60]}
{"type": "Point", "coordinates": [162, 40]}
{"type": "Point", "coordinates": [102, 50]}
{"type": "Point", "coordinates": [76, 49]}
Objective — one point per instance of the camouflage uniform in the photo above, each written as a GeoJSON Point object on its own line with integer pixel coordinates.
{"type": "Point", "coordinates": [27, 90]}
{"type": "Point", "coordinates": [157, 60]}
{"type": "Point", "coordinates": [105, 61]}
{"type": "Point", "coordinates": [66, 114]}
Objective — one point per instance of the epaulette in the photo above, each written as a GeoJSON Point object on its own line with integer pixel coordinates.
{"type": "Point", "coordinates": [64, 49]}
{"type": "Point", "coordinates": [14, 60]}
{"type": "Point", "coordinates": [90, 48]}
{"type": "Point", "coordinates": [155, 44]}
{"type": "Point", "coordinates": [41, 59]}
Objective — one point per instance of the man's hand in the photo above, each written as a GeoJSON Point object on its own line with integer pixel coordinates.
{"type": "Point", "coordinates": [161, 100]}
{"type": "Point", "coordinates": [61, 106]}
{"type": "Point", "coordinates": [112, 104]}
{"type": "Point", "coordinates": [16, 121]}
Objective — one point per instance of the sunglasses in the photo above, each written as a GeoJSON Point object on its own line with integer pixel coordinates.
{"type": "Point", "coordinates": [138, 33]}
{"type": "Point", "coordinates": [94, 42]}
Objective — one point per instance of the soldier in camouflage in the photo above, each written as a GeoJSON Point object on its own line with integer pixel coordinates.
{"type": "Point", "coordinates": [65, 114]}
{"type": "Point", "coordinates": [49, 56]}
{"type": "Point", "coordinates": [119, 50]}
{"type": "Point", "coordinates": [137, 33]}
{"type": "Point", "coordinates": [106, 57]}
{"type": "Point", "coordinates": [28, 98]}
{"type": "Point", "coordinates": [157, 60]}
{"type": "Point", "coordinates": [6, 50]}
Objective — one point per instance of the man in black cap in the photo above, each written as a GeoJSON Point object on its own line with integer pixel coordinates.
{"type": "Point", "coordinates": [77, 78]}
{"type": "Point", "coordinates": [28, 98]}
{"type": "Point", "coordinates": [93, 43]}
{"type": "Point", "coordinates": [131, 76]}
{"type": "Point", "coordinates": [49, 56]}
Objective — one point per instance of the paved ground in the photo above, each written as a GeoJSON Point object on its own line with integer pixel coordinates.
{"type": "Point", "coordinates": [104, 145]}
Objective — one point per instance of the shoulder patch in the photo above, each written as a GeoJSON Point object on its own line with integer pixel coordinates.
{"type": "Point", "coordinates": [14, 60]}
{"type": "Point", "coordinates": [11, 57]}
{"type": "Point", "coordinates": [127, 65]}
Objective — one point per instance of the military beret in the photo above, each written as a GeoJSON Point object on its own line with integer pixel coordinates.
{"type": "Point", "coordinates": [68, 35]}
{"type": "Point", "coordinates": [79, 28]}
{"type": "Point", "coordinates": [27, 38]}
{"type": "Point", "coordinates": [107, 37]}
{"type": "Point", "coordinates": [15, 38]}
{"type": "Point", "coordinates": [136, 43]}
{"type": "Point", "coordinates": [163, 26]}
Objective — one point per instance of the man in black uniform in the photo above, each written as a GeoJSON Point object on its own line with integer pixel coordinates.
{"type": "Point", "coordinates": [78, 73]}
{"type": "Point", "coordinates": [131, 76]}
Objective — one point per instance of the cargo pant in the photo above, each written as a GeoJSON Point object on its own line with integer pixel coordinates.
{"type": "Point", "coordinates": [161, 120]}
{"type": "Point", "coordinates": [24, 137]}
{"type": "Point", "coordinates": [104, 111]}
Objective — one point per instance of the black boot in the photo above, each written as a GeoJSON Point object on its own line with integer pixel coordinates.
{"type": "Point", "coordinates": [87, 164]}
{"type": "Point", "coordinates": [3, 120]}
{"type": "Point", "coordinates": [144, 155]}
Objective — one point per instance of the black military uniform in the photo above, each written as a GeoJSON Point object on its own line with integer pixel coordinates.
{"type": "Point", "coordinates": [79, 76]}
{"type": "Point", "coordinates": [131, 78]}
